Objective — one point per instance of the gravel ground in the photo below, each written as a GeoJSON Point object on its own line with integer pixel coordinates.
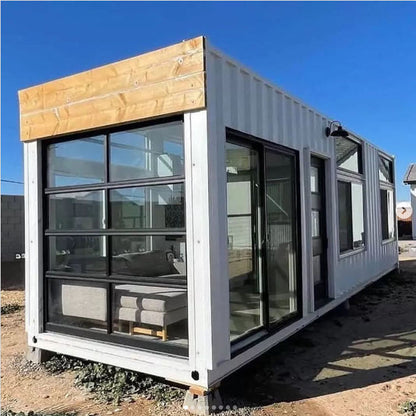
{"type": "Point", "coordinates": [359, 363]}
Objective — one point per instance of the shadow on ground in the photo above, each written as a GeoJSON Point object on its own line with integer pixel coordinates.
{"type": "Point", "coordinates": [374, 342]}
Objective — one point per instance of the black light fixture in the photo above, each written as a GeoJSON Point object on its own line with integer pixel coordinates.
{"type": "Point", "coordinates": [339, 132]}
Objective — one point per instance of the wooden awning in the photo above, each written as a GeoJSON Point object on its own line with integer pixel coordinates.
{"type": "Point", "coordinates": [160, 83]}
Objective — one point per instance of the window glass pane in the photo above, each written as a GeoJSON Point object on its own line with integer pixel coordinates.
{"type": "Point", "coordinates": [314, 179]}
{"type": "Point", "coordinates": [77, 254]}
{"type": "Point", "coordinates": [357, 204]}
{"type": "Point", "coordinates": [348, 154]}
{"type": "Point", "coordinates": [76, 162]}
{"type": "Point", "coordinates": [77, 303]}
{"type": "Point", "coordinates": [76, 211]}
{"type": "Point", "coordinates": [344, 216]}
{"type": "Point", "coordinates": [384, 216]}
{"type": "Point", "coordinates": [281, 238]}
{"type": "Point", "coordinates": [158, 313]}
{"type": "Point", "coordinates": [148, 152]}
{"type": "Point", "coordinates": [149, 256]}
{"type": "Point", "coordinates": [161, 206]}
{"type": "Point", "coordinates": [387, 213]}
{"type": "Point", "coordinates": [315, 224]}
{"type": "Point", "coordinates": [391, 213]}
{"type": "Point", "coordinates": [385, 169]}
{"type": "Point", "coordinates": [242, 199]}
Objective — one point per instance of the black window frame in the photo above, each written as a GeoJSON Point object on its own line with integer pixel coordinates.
{"type": "Point", "coordinates": [360, 156]}
{"type": "Point", "coordinates": [390, 169]}
{"type": "Point", "coordinates": [256, 335]}
{"type": "Point", "coordinates": [350, 177]}
{"type": "Point", "coordinates": [108, 278]}
{"type": "Point", "coordinates": [386, 186]}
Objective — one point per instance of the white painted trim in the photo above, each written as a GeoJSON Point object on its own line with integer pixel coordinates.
{"type": "Point", "coordinates": [307, 262]}
{"type": "Point", "coordinates": [27, 232]}
{"type": "Point", "coordinates": [190, 261]}
{"type": "Point", "coordinates": [166, 366]}
{"type": "Point", "coordinates": [331, 221]}
{"type": "Point", "coordinates": [33, 240]}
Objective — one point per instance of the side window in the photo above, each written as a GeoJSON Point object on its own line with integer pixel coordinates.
{"type": "Point", "coordinates": [350, 194]}
{"type": "Point", "coordinates": [386, 178]}
{"type": "Point", "coordinates": [351, 215]}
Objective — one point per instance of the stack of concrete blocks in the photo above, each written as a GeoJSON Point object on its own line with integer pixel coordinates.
{"type": "Point", "coordinates": [12, 242]}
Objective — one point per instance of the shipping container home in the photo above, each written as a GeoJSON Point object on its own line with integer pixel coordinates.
{"type": "Point", "coordinates": [184, 215]}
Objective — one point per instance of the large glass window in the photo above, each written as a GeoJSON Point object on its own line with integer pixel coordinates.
{"type": "Point", "coordinates": [350, 215]}
{"type": "Point", "coordinates": [116, 245]}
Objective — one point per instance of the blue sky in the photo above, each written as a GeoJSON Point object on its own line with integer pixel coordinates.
{"type": "Point", "coordinates": [355, 62]}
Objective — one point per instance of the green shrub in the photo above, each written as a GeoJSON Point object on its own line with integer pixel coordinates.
{"type": "Point", "coordinates": [113, 384]}
{"type": "Point", "coordinates": [10, 308]}
{"type": "Point", "coordinates": [408, 408]}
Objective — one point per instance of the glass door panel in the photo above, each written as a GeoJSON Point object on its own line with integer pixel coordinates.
{"type": "Point", "coordinates": [243, 262]}
{"type": "Point", "coordinates": [280, 235]}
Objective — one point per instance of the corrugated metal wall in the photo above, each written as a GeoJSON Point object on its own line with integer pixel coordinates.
{"type": "Point", "coordinates": [239, 99]}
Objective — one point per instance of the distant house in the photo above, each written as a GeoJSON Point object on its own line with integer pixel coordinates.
{"type": "Point", "coordinates": [410, 179]}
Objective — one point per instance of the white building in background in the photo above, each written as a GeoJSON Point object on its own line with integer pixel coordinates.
{"type": "Point", "coordinates": [410, 179]}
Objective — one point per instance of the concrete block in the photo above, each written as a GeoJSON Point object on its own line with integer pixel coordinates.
{"type": "Point", "coordinates": [38, 356]}
{"type": "Point", "coordinates": [203, 404]}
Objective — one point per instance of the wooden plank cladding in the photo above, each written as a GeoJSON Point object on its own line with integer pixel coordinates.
{"type": "Point", "coordinates": [166, 81]}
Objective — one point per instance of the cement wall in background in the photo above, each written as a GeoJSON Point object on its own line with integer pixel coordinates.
{"type": "Point", "coordinates": [12, 242]}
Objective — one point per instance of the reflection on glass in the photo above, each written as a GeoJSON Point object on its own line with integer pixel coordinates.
{"type": "Point", "coordinates": [357, 205]}
{"type": "Point", "coordinates": [314, 179]}
{"type": "Point", "coordinates": [149, 256]}
{"type": "Point", "coordinates": [348, 154]}
{"type": "Point", "coordinates": [161, 206]}
{"type": "Point", "coordinates": [151, 312]}
{"type": "Point", "coordinates": [385, 169]}
{"type": "Point", "coordinates": [242, 196]}
{"type": "Point", "coordinates": [315, 224]}
{"type": "Point", "coordinates": [77, 254]}
{"type": "Point", "coordinates": [351, 215]}
{"type": "Point", "coordinates": [344, 216]}
{"type": "Point", "coordinates": [147, 152]}
{"type": "Point", "coordinates": [76, 162]}
{"type": "Point", "coordinates": [387, 213]}
{"type": "Point", "coordinates": [76, 211]}
{"type": "Point", "coordinates": [317, 269]}
{"type": "Point", "coordinates": [281, 240]}
{"type": "Point", "coordinates": [77, 303]}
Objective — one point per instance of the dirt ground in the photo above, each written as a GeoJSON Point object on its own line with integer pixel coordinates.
{"type": "Point", "coordinates": [360, 362]}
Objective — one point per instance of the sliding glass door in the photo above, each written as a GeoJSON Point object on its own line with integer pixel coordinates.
{"type": "Point", "coordinates": [262, 236]}
{"type": "Point", "coordinates": [243, 177]}
{"type": "Point", "coordinates": [281, 244]}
